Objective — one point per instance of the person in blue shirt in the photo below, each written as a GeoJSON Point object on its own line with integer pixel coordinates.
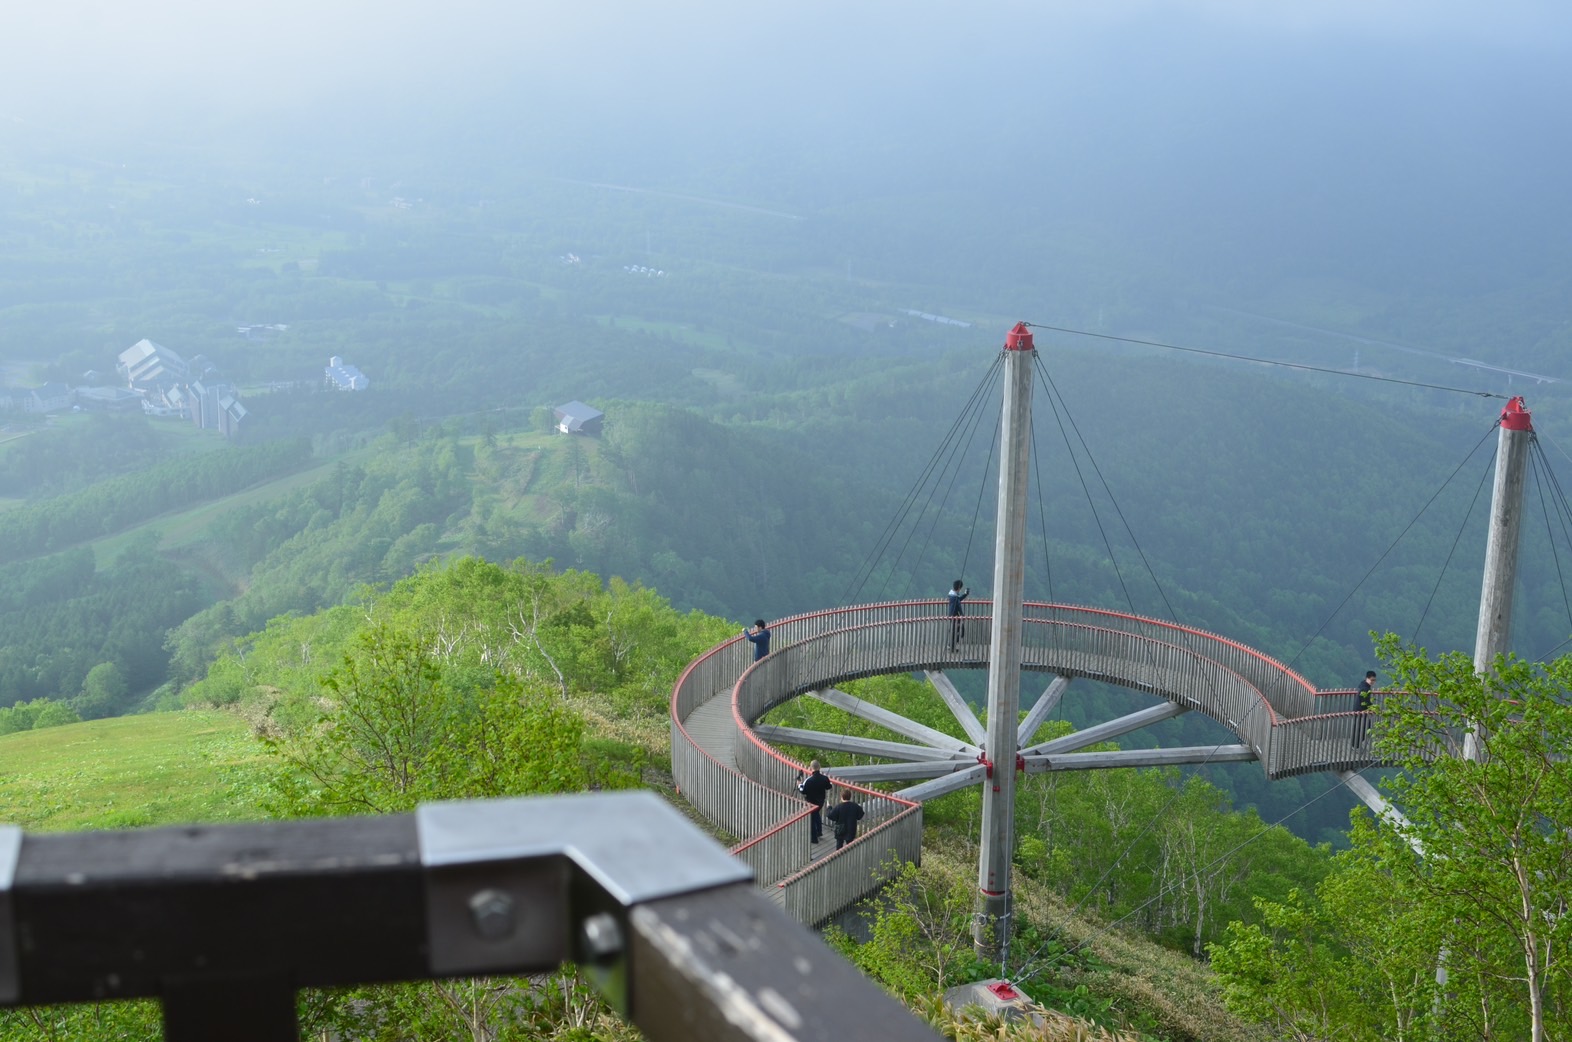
{"type": "Point", "coordinates": [956, 596]}
{"type": "Point", "coordinates": [760, 636]}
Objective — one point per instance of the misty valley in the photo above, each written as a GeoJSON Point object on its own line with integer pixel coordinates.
{"type": "Point", "coordinates": [475, 428]}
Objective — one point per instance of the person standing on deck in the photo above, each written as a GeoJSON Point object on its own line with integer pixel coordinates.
{"type": "Point", "coordinates": [956, 596]}
{"type": "Point", "coordinates": [1362, 725]}
{"type": "Point", "coordinates": [815, 787]}
{"type": "Point", "coordinates": [760, 636]}
{"type": "Point", "coordinates": [845, 815]}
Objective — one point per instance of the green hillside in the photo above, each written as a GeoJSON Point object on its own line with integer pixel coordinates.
{"type": "Point", "coordinates": [783, 343]}
{"type": "Point", "coordinates": [152, 769]}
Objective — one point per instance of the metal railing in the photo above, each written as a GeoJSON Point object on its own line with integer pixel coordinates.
{"type": "Point", "coordinates": [222, 924]}
{"type": "Point", "coordinates": [757, 799]}
{"type": "Point", "coordinates": [1276, 712]}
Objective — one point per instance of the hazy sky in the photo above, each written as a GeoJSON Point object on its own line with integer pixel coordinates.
{"type": "Point", "coordinates": [1353, 139]}
{"type": "Point", "coordinates": [113, 55]}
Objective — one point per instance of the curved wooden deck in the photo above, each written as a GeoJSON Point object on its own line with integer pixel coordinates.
{"type": "Point", "coordinates": [746, 787]}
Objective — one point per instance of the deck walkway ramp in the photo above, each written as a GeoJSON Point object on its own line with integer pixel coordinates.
{"type": "Point", "coordinates": [748, 789]}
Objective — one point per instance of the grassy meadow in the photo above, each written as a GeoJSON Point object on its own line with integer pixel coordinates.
{"type": "Point", "coordinates": [123, 772]}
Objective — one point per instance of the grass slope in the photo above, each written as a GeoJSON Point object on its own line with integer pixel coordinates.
{"type": "Point", "coordinates": [205, 766]}
{"type": "Point", "coordinates": [153, 769]}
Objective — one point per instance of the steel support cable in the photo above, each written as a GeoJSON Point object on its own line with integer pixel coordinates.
{"type": "Point", "coordinates": [1042, 508]}
{"type": "Point", "coordinates": [1042, 511]}
{"type": "Point", "coordinates": [1052, 631]}
{"type": "Point", "coordinates": [1541, 434]}
{"type": "Point", "coordinates": [1172, 615]}
{"type": "Point", "coordinates": [864, 571]}
{"type": "Point", "coordinates": [1546, 656]}
{"type": "Point", "coordinates": [1267, 361]}
{"type": "Point", "coordinates": [1461, 528]}
{"type": "Point", "coordinates": [952, 462]}
{"type": "Point", "coordinates": [949, 450]}
{"type": "Point", "coordinates": [1542, 477]}
{"type": "Point", "coordinates": [1385, 553]}
{"type": "Point", "coordinates": [894, 525]}
{"type": "Point", "coordinates": [961, 456]}
{"type": "Point", "coordinates": [933, 472]}
{"type": "Point", "coordinates": [982, 487]}
{"type": "Point", "coordinates": [1563, 508]}
{"type": "Point", "coordinates": [959, 448]}
{"type": "Point", "coordinates": [1087, 492]}
{"type": "Point", "coordinates": [958, 456]}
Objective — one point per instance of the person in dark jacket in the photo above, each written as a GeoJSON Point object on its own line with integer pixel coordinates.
{"type": "Point", "coordinates": [1362, 725]}
{"type": "Point", "coordinates": [845, 815]}
{"type": "Point", "coordinates": [956, 596]}
{"type": "Point", "coordinates": [760, 636]}
{"type": "Point", "coordinates": [814, 788]}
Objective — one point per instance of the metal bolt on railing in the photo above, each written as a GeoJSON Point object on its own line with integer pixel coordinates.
{"type": "Point", "coordinates": [492, 912]}
{"type": "Point", "coordinates": [602, 938]}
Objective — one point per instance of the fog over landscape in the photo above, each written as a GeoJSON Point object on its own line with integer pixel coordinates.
{"type": "Point", "coordinates": [466, 371]}
{"type": "Point", "coordinates": [1238, 153]}
{"type": "Point", "coordinates": [454, 200]}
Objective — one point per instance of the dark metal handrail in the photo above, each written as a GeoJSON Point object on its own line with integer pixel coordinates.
{"type": "Point", "coordinates": [224, 923]}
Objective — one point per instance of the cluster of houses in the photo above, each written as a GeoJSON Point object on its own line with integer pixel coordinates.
{"type": "Point", "coordinates": [159, 382]}
{"type": "Point", "coordinates": [48, 398]}
{"type": "Point", "coordinates": [168, 385]}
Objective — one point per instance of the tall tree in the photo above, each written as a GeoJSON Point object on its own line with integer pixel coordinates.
{"type": "Point", "coordinates": [1494, 831]}
{"type": "Point", "coordinates": [1480, 868]}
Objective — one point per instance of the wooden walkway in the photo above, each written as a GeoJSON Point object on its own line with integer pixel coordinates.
{"type": "Point", "coordinates": [748, 788]}
{"type": "Point", "coordinates": [712, 727]}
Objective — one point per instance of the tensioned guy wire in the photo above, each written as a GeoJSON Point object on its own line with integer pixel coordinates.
{"type": "Point", "coordinates": [1151, 574]}
{"type": "Point", "coordinates": [1267, 361]}
{"type": "Point", "coordinates": [960, 451]}
{"type": "Point", "coordinates": [1461, 528]}
{"type": "Point", "coordinates": [865, 571]}
{"type": "Point", "coordinates": [1385, 553]}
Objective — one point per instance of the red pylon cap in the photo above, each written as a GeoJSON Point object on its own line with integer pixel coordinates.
{"type": "Point", "coordinates": [1019, 339]}
{"type": "Point", "coordinates": [1516, 418]}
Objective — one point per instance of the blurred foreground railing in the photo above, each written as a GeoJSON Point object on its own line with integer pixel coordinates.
{"type": "Point", "coordinates": [223, 924]}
